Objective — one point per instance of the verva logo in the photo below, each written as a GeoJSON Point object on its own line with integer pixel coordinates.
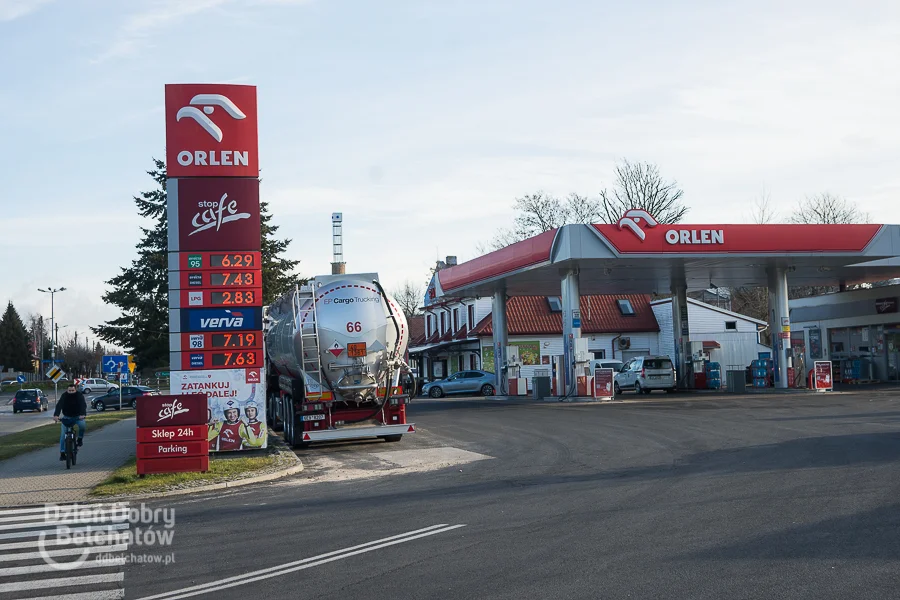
{"type": "Point", "coordinates": [216, 213]}
{"type": "Point", "coordinates": [211, 130]}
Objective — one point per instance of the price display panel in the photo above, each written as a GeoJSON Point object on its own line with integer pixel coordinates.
{"type": "Point", "coordinates": [217, 261]}
{"type": "Point", "coordinates": [222, 359]}
{"type": "Point", "coordinates": [220, 279]}
{"type": "Point", "coordinates": [224, 298]}
{"type": "Point", "coordinates": [226, 340]}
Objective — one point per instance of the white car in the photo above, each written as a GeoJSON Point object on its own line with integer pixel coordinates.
{"type": "Point", "coordinates": [602, 363]}
{"type": "Point", "coordinates": [644, 374]}
{"type": "Point", "coordinates": [90, 386]}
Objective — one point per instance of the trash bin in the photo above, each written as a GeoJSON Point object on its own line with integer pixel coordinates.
{"type": "Point", "coordinates": [736, 380]}
{"type": "Point", "coordinates": [541, 386]}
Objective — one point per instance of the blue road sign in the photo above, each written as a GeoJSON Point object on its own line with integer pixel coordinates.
{"type": "Point", "coordinates": [115, 363]}
{"type": "Point", "coordinates": [58, 361]}
{"type": "Point", "coordinates": [124, 377]}
{"type": "Point", "coordinates": [20, 379]}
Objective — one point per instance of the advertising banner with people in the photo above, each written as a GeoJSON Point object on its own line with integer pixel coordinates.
{"type": "Point", "coordinates": [236, 406]}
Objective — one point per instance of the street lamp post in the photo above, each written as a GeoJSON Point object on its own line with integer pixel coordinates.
{"type": "Point", "coordinates": [52, 293]}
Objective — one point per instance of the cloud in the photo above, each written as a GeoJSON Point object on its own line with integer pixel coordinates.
{"type": "Point", "coordinates": [14, 9]}
{"type": "Point", "coordinates": [141, 26]}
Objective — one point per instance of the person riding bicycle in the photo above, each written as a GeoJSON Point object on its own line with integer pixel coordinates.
{"type": "Point", "coordinates": [74, 409]}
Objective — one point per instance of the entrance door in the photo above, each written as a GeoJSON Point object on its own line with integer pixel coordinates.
{"type": "Point", "coordinates": [798, 352]}
{"type": "Point", "coordinates": [892, 340]}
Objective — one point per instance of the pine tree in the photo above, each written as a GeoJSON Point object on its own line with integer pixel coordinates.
{"type": "Point", "coordinates": [277, 272]}
{"type": "Point", "coordinates": [14, 352]}
{"type": "Point", "coordinates": [141, 290]}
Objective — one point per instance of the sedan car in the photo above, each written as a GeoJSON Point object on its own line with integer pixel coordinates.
{"type": "Point", "coordinates": [88, 386]}
{"type": "Point", "coordinates": [464, 382]}
{"type": "Point", "coordinates": [130, 394]}
{"type": "Point", "coordinates": [30, 400]}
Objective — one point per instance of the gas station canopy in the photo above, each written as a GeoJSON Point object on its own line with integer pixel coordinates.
{"type": "Point", "coordinates": [638, 255]}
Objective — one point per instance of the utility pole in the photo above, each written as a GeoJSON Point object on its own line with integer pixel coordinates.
{"type": "Point", "coordinates": [52, 293]}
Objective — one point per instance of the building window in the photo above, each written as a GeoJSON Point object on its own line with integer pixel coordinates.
{"type": "Point", "coordinates": [473, 362]}
{"type": "Point", "coordinates": [443, 322]}
{"type": "Point", "coordinates": [600, 354]}
{"type": "Point", "coordinates": [471, 317]}
{"type": "Point", "coordinates": [456, 320]}
{"type": "Point", "coordinates": [428, 326]}
{"type": "Point", "coordinates": [625, 307]}
{"type": "Point", "coordinates": [730, 325]}
{"type": "Point", "coordinates": [555, 304]}
{"type": "Point", "coordinates": [460, 363]}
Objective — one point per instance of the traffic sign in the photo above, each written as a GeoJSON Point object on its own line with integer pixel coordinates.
{"type": "Point", "coordinates": [123, 377]}
{"type": "Point", "coordinates": [55, 373]}
{"type": "Point", "coordinates": [115, 363]}
{"type": "Point", "coordinates": [130, 364]}
{"type": "Point", "coordinates": [20, 379]}
{"type": "Point", "coordinates": [162, 374]}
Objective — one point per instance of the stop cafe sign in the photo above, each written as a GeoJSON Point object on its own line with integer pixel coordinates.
{"type": "Point", "coordinates": [171, 434]}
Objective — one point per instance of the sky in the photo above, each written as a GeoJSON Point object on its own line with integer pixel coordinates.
{"type": "Point", "coordinates": [422, 121]}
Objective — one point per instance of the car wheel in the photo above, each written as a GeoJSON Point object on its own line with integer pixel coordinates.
{"type": "Point", "coordinates": [100, 407]}
{"type": "Point", "coordinates": [637, 388]}
{"type": "Point", "coordinates": [487, 390]}
{"type": "Point", "coordinates": [15, 411]}
{"type": "Point", "coordinates": [86, 391]}
{"type": "Point", "coordinates": [435, 392]}
{"type": "Point", "coordinates": [670, 390]}
{"type": "Point", "coordinates": [616, 388]}
{"type": "Point", "coordinates": [131, 404]}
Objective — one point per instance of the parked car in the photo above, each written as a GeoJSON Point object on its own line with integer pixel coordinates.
{"type": "Point", "coordinates": [89, 386]}
{"type": "Point", "coordinates": [601, 363]}
{"type": "Point", "coordinates": [130, 394]}
{"type": "Point", "coordinates": [644, 374]}
{"type": "Point", "coordinates": [30, 400]}
{"type": "Point", "coordinates": [8, 383]}
{"type": "Point", "coordinates": [464, 382]}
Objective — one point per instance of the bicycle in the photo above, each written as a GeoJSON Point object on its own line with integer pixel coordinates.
{"type": "Point", "coordinates": [71, 445]}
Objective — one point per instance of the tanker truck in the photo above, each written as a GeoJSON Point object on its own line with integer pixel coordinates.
{"type": "Point", "coordinates": [335, 365]}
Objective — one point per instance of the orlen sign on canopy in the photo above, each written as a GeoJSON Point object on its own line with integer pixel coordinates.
{"type": "Point", "coordinates": [211, 130]}
{"type": "Point", "coordinates": [214, 213]}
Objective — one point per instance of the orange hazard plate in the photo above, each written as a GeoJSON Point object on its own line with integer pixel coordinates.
{"type": "Point", "coordinates": [356, 350]}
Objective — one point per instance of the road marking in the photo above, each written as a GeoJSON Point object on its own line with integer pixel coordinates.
{"type": "Point", "coordinates": [62, 507]}
{"type": "Point", "coordinates": [107, 538]}
{"type": "Point", "coordinates": [42, 584]}
{"type": "Point", "coordinates": [38, 532]}
{"type": "Point", "coordinates": [45, 568]}
{"type": "Point", "coordinates": [67, 552]}
{"type": "Point", "coordinates": [66, 522]}
{"type": "Point", "coordinates": [108, 595]}
{"type": "Point", "coordinates": [302, 564]}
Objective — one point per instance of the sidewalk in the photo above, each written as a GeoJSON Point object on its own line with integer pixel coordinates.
{"type": "Point", "coordinates": [40, 477]}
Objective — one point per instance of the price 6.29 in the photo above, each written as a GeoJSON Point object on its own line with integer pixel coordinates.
{"type": "Point", "coordinates": [354, 327]}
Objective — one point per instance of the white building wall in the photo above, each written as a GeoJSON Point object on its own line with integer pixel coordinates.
{"type": "Point", "coordinates": [663, 313]}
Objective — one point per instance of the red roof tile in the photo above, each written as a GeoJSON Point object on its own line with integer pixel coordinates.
{"type": "Point", "coordinates": [530, 315]}
{"type": "Point", "coordinates": [416, 329]}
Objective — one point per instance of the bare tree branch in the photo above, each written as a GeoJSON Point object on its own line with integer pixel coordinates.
{"type": "Point", "coordinates": [762, 212]}
{"type": "Point", "coordinates": [828, 209]}
{"type": "Point", "coordinates": [639, 185]}
{"type": "Point", "coordinates": [410, 297]}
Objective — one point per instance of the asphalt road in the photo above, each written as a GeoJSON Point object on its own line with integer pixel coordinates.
{"type": "Point", "coordinates": [11, 423]}
{"type": "Point", "coordinates": [793, 496]}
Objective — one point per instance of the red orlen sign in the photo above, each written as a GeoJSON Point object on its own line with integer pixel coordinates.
{"type": "Point", "coordinates": [638, 232]}
{"type": "Point", "coordinates": [216, 213]}
{"type": "Point", "coordinates": [211, 130]}
{"type": "Point", "coordinates": [603, 383]}
{"type": "Point", "coordinates": [185, 433]}
{"type": "Point", "coordinates": [160, 411]}
{"type": "Point", "coordinates": [172, 449]}
{"type": "Point", "coordinates": [181, 464]}
{"type": "Point", "coordinates": [823, 375]}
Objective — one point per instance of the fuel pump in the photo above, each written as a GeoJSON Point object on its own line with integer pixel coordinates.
{"type": "Point", "coordinates": [513, 368]}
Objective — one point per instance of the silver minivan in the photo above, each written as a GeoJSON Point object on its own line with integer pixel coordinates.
{"type": "Point", "coordinates": [643, 374]}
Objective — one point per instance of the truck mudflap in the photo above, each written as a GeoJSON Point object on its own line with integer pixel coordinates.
{"type": "Point", "coordinates": [352, 433]}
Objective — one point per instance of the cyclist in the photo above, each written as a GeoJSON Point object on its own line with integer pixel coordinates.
{"type": "Point", "coordinates": [74, 409]}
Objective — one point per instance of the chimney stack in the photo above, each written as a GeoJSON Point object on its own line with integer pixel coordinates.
{"type": "Point", "coordinates": [338, 266]}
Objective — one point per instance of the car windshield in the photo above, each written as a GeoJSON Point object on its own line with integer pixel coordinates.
{"type": "Point", "coordinates": [657, 363]}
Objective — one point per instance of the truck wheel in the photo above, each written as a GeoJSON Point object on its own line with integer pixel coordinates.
{"type": "Point", "coordinates": [273, 414]}
{"type": "Point", "coordinates": [288, 434]}
{"type": "Point", "coordinates": [435, 392]}
{"type": "Point", "coordinates": [392, 438]}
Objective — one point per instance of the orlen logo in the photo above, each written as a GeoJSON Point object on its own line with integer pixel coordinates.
{"type": "Point", "coordinates": [632, 219]}
{"type": "Point", "coordinates": [216, 214]}
{"type": "Point", "coordinates": [211, 130]}
{"type": "Point", "coordinates": [235, 320]}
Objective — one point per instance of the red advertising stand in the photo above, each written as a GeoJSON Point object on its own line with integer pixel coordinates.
{"type": "Point", "coordinates": [823, 379]}
{"type": "Point", "coordinates": [171, 434]}
{"type": "Point", "coordinates": [603, 384]}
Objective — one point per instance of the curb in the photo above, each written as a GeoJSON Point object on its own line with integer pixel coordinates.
{"type": "Point", "coordinates": [287, 471]}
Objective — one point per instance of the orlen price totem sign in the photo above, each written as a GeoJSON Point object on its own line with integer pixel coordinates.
{"type": "Point", "coordinates": [215, 271]}
{"type": "Point", "coordinates": [172, 434]}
